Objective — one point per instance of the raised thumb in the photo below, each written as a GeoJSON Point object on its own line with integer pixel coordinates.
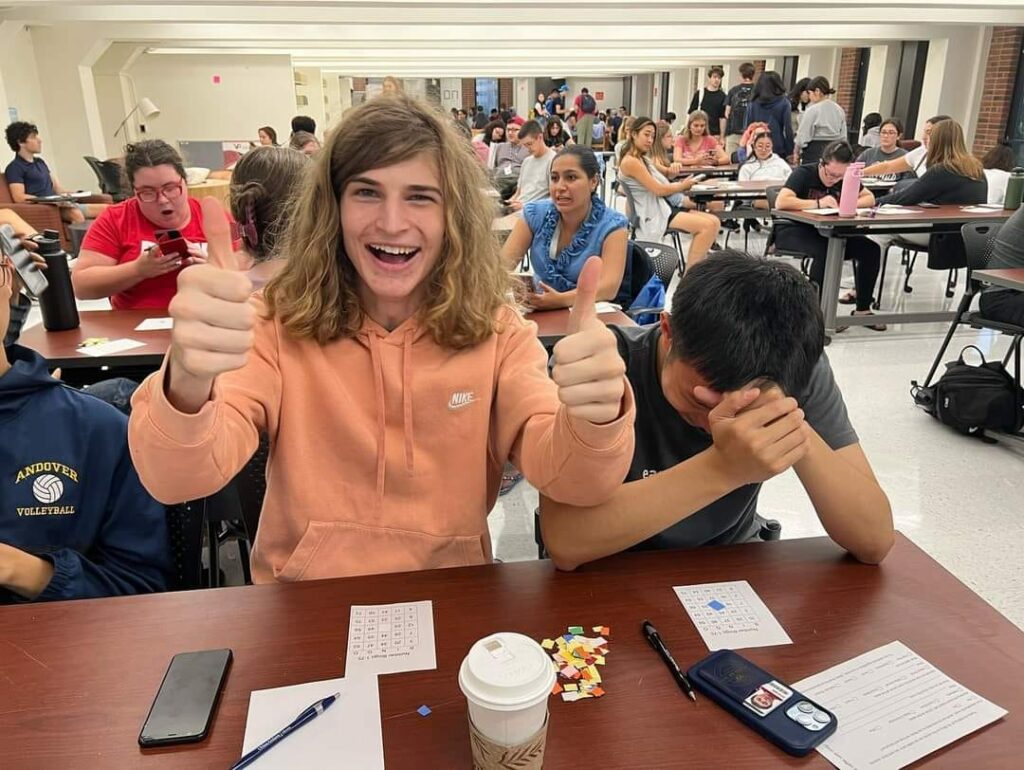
{"type": "Point", "coordinates": [584, 309]}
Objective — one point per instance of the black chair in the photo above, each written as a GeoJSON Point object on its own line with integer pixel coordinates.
{"type": "Point", "coordinates": [185, 530]}
{"type": "Point", "coordinates": [908, 259]}
{"type": "Point", "coordinates": [251, 485]}
{"type": "Point", "coordinates": [979, 239]}
{"type": "Point", "coordinates": [110, 176]}
{"type": "Point", "coordinates": [772, 195]}
{"type": "Point", "coordinates": [651, 258]}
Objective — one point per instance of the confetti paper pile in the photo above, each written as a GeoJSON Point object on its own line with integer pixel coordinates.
{"type": "Point", "coordinates": [576, 658]}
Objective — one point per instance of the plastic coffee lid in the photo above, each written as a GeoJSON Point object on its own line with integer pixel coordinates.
{"type": "Point", "coordinates": [506, 672]}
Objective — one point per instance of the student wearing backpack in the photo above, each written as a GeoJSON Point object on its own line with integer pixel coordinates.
{"type": "Point", "coordinates": [736, 102]}
{"type": "Point", "coordinates": [586, 110]}
{"type": "Point", "coordinates": [770, 104]}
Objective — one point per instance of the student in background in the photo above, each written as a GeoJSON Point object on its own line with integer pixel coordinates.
{"type": "Point", "coordinates": [268, 137]}
{"type": "Point", "coordinates": [585, 107]}
{"type": "Point", "coordinates": [733, 388]}
{"type": "Point", "coordinates": [618, 118]}
{"type": "Point", "coordinates": [869, 135]}
{"type": "Point", "coordinates": [694, 147]}
{"type": "Point", "coordinates": [563, 232]}
{"type": "Point", "coordinates": [650, 190]}
{"type": "Point", "coordinates": [998, 163]}
{"type": "Point", "coordinates": [461, 116]}
{"type": "Point", "coordinates": [535, 173]}
{"type": "Point", "coordinates": [663, 149]}
{"type": "Point", "coordinates": [304, 123]}
{"type": "Point", "coordinates": [711, 100]}
{"type": "Point", "coordinates": [819, 185]}
{"type": "Point", "coordinates": [506, 160]}
{"type": "Point", "coordinates": [998, 303]}
{"type": "Point", "coordinates": [75, 522]}
{"type": "Point", "coordinates": [29, 177]}
{"type": "Point", "coordinates": [736, 103]}
{"type": "Point", "coordinates": [764, 164]}
{"type": "Point", "coordinates": [383, 362]}
{"type": "Point", "coordinates": [823, 123]}
{"type": "Point", "coordinates": [264, 182]}
{"type": "Point", "coordinates": [915, 161]}
{"type": "Point", "coordinates": [555, 135]}
{"type": "Point", "coordinates": [120, 257]}
{"type": "Point", "coordinates": [624, 132]}
{"type": "Point", "coordinates": [494, 133]}
{"type": "Point", "coordinates": [800, 100]}
{"type": "Point", "coordinates": [391, 86]}
{"type": "Point", "coordinates": [305, 143]}
{"type": "Point", "coordinates": [771, 105]}
{"type": "Point", "coordinates": [890, 131]}
{"type": "Point", "coordinates": [479, 119]}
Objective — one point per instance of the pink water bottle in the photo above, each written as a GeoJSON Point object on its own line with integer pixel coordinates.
{"type": "Point", "coordinates": [851, 190]}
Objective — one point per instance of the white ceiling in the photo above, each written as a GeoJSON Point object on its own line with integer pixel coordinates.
{"type": "Point", "coordinates": [509, 37]}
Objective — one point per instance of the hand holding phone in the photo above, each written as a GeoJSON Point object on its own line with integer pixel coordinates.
{"type": "Point", "coordinates": [172, 244]}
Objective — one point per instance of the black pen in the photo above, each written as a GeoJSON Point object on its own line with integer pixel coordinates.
{"type": "Point", "coordinates": [659, 647]}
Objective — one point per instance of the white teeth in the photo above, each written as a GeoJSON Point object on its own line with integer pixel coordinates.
{"type": "Point", "coordinates": [396, 250]}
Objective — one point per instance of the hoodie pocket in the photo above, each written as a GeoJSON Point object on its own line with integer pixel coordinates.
{"type": "Point", "coordinates": [332, 549]}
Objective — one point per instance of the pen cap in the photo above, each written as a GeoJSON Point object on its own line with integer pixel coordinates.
{"type": "Point", "coordinates": [507, 678]}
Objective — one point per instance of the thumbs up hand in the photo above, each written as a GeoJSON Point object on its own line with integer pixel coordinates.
{"type": "Point", "coordinates": [588, 368]}
{"type": "Point", "coordinates": [213, 319]}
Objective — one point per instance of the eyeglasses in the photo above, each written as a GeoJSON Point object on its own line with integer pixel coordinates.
{"type": "Point", "coordinates": [150, 195]}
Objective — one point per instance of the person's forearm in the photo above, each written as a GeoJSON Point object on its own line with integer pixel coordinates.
{"type": "Point", "coordinates": [101, 281]}
{"type": "Point", "coordinates": [793, 203]}
{"type": "Point", "coordinates": [851, 505]}
{"type": "Point", "coordinates": [21, 572]}
{"type": "Point", "coordinates": [638, 510]}
{"type": "Point", "coordinates": [721, 127]}
{"type": "Point", "coordinates": [866, 199]}
{"type": "Point", "coordinates": [186, 392]}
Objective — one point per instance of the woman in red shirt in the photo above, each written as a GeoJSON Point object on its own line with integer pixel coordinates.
{"type": "Point", "coordinates": [120, 257]}
{"type": "Point", "coordinates": [695, 147]}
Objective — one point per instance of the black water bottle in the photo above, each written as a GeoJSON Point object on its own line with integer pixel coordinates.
{"type": "Point", "coordinates": [57, 303]}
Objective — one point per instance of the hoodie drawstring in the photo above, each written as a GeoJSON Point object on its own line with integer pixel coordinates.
{"type": "Point", "coordinates": [378, 389]}
{"type": "Point", "coordinates": [407, 399]}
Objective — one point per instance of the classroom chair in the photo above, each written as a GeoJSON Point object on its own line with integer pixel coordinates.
{"type": "Point", "coordinates": [634, 222]}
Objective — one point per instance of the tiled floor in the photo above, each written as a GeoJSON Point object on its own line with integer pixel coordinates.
{"type": "Point", "coordinates": [957, 498]}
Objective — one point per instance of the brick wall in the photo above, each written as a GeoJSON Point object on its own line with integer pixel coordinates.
{"type": "Point", "coordinates": [468, 93]}
{"type": "Point", "coordinates": [997, 87]}
{"type": "Point", "coordinates": [358, 84]}
{"type": "Point", "coordinates": [846, 85]}
{"type": "Point", "coordinates": [506, 92]}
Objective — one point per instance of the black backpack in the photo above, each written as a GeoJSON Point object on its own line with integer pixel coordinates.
{"type": "Point", "coordinates": [738, 109]}
{"type": "Point", "coordinates": [973, 399]}
{"type": "Point", "coordinates": [587, 103]}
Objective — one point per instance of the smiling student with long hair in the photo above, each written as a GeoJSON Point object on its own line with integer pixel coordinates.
{"type": "Point", "coordinates": [386, 366]}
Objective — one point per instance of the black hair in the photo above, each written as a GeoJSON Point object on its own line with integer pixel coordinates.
{"type": "Point", "coordinates": [584, 156]}
{"type": "Point", "coordinates": [894, 122]}
{"type": "Point", "coordinates": [753, 143]}
{"type": "Point", "coordinates": [871, 120]}
{"type": "Point", "coordinates": [303, 123]}
{"type": "Point", "coordinates": [19, 131]}
{"type": "Point", "coordinates": [795, 92]}
{"type": "Point", "coordinates": [1000, 156]}
{"type": "Point", "coordinates": [768, 88]}
{"type": "Point", "coordinates": [150, 153]}
{"type": "Point", "coordinates": [269, 132]}
{"type": "Point", "coordinates": [669, 117]}
{"type": "Point", "coordinates": [737, 318]}
{"type": "Point", "coordinates": [716, 70]}
{"type": "Point", "coordinates": [821, 83]}
{"type": "Point", "coordinates": [747, 70]}
{"type": "Point", "coordinates": [489, 131]}
{"type": "Point", "coordinates": [839, 151]}
{"type": "Point", "coordinates": [530, 128]}
{"type": "Point", "coordinates": [584, 90]}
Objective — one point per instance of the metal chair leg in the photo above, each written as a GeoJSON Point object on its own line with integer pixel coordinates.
{"type": "Point", "coordinates": [911, 260]}
{"type": "Point", "coordinates": [965, 305]}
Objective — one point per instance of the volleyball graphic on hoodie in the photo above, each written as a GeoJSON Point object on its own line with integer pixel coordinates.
{"type": "Point", "coordinates": [47, 488]}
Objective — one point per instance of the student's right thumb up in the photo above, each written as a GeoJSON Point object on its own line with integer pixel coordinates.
{"type": "Point", "coordinates": [213, 320]}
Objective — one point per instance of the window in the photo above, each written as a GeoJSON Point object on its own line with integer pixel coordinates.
{"type": "Point", "coordinates": [487, 94]}
{"type": "Point", "coordinates": [1015, 123]}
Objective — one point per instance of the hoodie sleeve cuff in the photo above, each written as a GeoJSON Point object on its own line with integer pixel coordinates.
{"type": "Point", "coordinates": [65, 573]}
{"type": "Point", "coordinates": [606, 437]}
{"type": "Point", "coordinates": [179, 427]}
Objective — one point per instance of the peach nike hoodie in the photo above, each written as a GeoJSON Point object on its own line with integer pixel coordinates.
{"type": "Point", "coordinates": [386, 450]}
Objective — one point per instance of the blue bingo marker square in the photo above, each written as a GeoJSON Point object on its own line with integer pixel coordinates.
{"type": "Point", "coordinates": [716, 605]}
{"type": "Point", "coordinates": [423, 710]}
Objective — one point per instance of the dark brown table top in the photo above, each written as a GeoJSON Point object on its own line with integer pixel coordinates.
{"type": "Point", "coordinates": [77, 678]}
{"type": "Point", "coordinates": [552, 324]}
{"type": "Point", "coordinates": [725, 169]}
{"type": "Point", "coordinates": [1010, 278]}
{"type": "Point", "coordinates": [61, 348]}
{"type": "Point", "coordinates": [951, 214]}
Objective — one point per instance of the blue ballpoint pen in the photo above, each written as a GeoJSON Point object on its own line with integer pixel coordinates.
{"type": "Point", "coordinates": [306, 716]}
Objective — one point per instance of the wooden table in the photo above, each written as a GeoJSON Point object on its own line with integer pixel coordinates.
{"type": "Point", "coordinates": [946, 218]}
{"type": "Point", "coordinates": [1008, 278]}
{"type": "Point", "coordinates": [77, 678]}
{"type": "Point", "coordinates": [553, 324]}
{"type": "Point", "coordinates": [214, 188]}
{"type": "Point", "coordinates": [61, 348]}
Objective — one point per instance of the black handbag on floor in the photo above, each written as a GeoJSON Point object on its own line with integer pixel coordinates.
{"type": "Point", "coordinates": [972, 399]}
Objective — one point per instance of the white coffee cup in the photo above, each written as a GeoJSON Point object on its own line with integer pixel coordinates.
{"type": "Point", "coordinates": [507, 679]}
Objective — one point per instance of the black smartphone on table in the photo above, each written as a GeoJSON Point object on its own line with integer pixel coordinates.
{"type": "Point", "coordinates": [184, 705]}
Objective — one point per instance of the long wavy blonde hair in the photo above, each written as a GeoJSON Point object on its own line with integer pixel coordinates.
{"type": "Point", "coordinates": [316, 295]}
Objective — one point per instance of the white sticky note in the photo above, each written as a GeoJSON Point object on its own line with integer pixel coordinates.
{"type": "Point", "coordinates": [822, 212]}
{"type": "Point", "coordinates": [731, 616]}
{"type": "Point", "coordinates": [893, 708]}
{"type": "Point", "coordinates": [607, 307]}
{"type": "Point", "coordinates": [110, 348]}
{"type": "Point", "coordinates": [390, 638]}
{"type": "Point", "coordinates": [155, 324]}
{"type": "Point", "coordinates": [348, 734]}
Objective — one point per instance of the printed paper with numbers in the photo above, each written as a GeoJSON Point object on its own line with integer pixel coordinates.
{"type": "Point", "coordinates": [730, 616]}
{"type": "Point", "coordinates": [389, 638]}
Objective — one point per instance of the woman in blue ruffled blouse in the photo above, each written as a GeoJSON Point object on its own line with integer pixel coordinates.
{"type": "Point", "coordinates": [562, 231]}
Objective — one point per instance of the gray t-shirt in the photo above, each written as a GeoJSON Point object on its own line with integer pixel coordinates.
{"type": "Point", "coordinates": [664, 439]}
{"type": "Point", "coordinates": [509, 157]}
{"type": "Point", "coordinates": [535, 177]}
{"type": "Point", "coordinates": [874, 155]}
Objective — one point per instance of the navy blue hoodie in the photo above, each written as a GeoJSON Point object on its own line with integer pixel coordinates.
{"type": "Point", "coordinates": [69, 492]}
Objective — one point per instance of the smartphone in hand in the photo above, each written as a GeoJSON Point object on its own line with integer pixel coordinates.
{"type": "Point", "coordinates": [172, 244]}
